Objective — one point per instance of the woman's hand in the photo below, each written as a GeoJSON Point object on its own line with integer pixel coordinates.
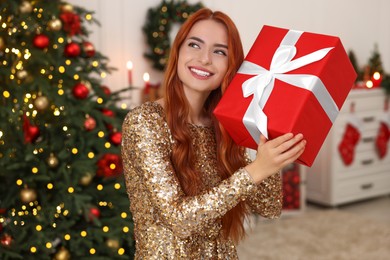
{"type": "Point", "coordinates": [275, 154]}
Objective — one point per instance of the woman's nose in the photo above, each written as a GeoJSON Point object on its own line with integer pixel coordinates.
{"type": "Point", "coordinates": [205, 57]}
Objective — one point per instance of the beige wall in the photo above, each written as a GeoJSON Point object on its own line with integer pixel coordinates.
{"type": "Point", "coordinates": [359, 23]}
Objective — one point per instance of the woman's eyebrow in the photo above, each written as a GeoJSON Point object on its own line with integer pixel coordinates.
{"type": "Point", "coordinates": [202, 41]}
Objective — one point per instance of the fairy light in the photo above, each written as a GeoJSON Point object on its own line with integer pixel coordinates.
{"type": "Point", "coordinates": [99, 100]}
{"type": "Point", "coordinates": [88, 17]}
{"type": "Point", "coordinates": [50, 186]}
{"type": "Point", "coordinates": [92, 251]}
{"type": "Point", "coordinates": [38, 228]}
{"type": "Point", "coordinates": [34, 170]}
{"type": "Point", "coordinates": [48, 245]}
{"type": "Point", "coordinates": [101, 134]}
{"type": "Point", "coordinates": [75, 151]}
{"type": "Point", "coordinates": [103, 75]}
{"type": "Point", "coordinates": [91, 155]}
{"type": "Point", "coordinates": [95, 63]}
{"type": "Point", "coordinates": [106, 229]}
{"type": "Point", "coordinates": [83, 233]}
{"type": "Point", "coordinates": [61, 69]}
{"type": "Point", "coordinates": [60, 92]}
{"type": "Point", "coordinates": [123, 215]}
{"type": "Point", "coordinates": [99, 187]}
{"type": "Point", "coordinates": [107, 145]}
{"type": "Point", "coordinates": [125, 229]}
{"type": "Point", "coordinates": [60, 40]}
{"type": "Point", "coordinates": [19, 182]}
{"type": "Point", "coordinates": [68, 62]}
{"type": "Point", "coordinates": [67, 237]}
{"type": "Point", "coordinates": [121, 251]}
{"type": "Point", "coordinates": [76, 77]}
{"type": "Point", "coordinates": [117, 186]}
{"type": "Point", "coordinates": [70, 189]}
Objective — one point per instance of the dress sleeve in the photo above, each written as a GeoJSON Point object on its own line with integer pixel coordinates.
{"type": "Point", "coordinates": [267, 198]}
{"type": "Point", "coordinates": [146, 147]}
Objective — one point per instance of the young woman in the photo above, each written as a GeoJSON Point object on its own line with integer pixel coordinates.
{"type": "Point", "coordinates": [190, 186]}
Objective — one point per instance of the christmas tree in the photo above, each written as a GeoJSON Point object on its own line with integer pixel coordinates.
{"type": "Point", "coordinates": [62, 193]}
{"type": "Point", "coordinates": [375, 61]}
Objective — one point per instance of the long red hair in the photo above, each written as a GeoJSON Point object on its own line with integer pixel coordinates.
{"type": "Point", "coordinates": [230, 157]}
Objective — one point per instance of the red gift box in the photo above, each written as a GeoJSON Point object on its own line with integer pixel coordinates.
{"type": "Point", "coordinates": [290, 81]}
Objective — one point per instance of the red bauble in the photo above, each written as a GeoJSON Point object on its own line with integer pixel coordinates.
{"type": "Point", "coordinates": [109, 165]}
{"type": "Point", "coordinates": [108, 112]}
{"type": "Point", "coordinates": [116, 138]}
{"type": "Point", "coordinates": [89, 123]}
{"type": "Point", "coordinates": [88, 49]}
{"type": "Point", "coordinates": [106, 90]}
{"type": "Point", "coordinates": [6, 240]}
{"type": "Point", "coordinates": [94, 213]}
{"type": "Point", "coordinates": [72, 50]}
{"type": "Point", "coordinates": [80, 91]}
{"type": "Point", "coordinates": [41, 41]}
{"type": "Point", "coordinates": [31, 132]}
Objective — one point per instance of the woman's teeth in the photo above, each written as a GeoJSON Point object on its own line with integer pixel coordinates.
{"type": "Point", "coordinates": [201, 72]}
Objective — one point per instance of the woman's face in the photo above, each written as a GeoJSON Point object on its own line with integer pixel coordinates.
{"type": "Point", "coordinates": [203, 59]}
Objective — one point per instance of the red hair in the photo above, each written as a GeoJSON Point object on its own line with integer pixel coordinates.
{"type": "Point", "coordinates": [230, 157]}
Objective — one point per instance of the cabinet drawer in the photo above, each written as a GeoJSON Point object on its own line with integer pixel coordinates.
{"type": "Point", "coordinates": [364, 100]}
{"type": "Point", "coordinates": [364, 163]}
{"type": "Point", "coordinates": [362, 187]}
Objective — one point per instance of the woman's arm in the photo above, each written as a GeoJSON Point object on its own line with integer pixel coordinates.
{"type": "Point", "coordinates": [146, 150]}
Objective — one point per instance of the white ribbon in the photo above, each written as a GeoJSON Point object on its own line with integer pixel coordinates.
{"type": "Point", "coordinates": [261, 85]}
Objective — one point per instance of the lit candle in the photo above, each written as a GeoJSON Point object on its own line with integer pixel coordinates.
{"type": "Point", "coordinates": [129, 72]}
{"type": "Point", "coordinates": [376, 79]}
{"type": "Point", "coordinates": [146, 79]}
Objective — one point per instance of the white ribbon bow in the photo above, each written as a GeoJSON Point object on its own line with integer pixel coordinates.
{"type": "Point", "coordinates": [261, 85]}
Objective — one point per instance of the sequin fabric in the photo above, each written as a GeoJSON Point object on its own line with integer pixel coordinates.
{"type": "Point", "coordinates": [167, 223]}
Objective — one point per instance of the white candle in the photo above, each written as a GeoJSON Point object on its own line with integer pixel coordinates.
{"type": "Point", "coordinates": [130, 72]}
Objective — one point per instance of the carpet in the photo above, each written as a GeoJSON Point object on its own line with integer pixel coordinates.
{"type": "Point", "coordinates": [317, 235]}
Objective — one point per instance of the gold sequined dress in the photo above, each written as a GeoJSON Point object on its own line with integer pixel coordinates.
{"type": "Point", "coordinates": [167, 223]}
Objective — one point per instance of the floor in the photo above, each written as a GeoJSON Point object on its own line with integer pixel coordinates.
{"type": "Point", "coordinates": [375, 208]}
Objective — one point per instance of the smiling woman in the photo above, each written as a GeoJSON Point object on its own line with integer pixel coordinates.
{"type": "Point", "coordinates": [190, 186]}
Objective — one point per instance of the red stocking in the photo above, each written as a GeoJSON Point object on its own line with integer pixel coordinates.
{"type": "Point", "coordinates": [382, 139]}
{"type": "Point", "coordinates": [347, 145]}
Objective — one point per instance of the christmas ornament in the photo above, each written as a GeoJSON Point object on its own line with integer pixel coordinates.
{"type": "Point", "coordinates": [94, 212]}
{"type": "Point", "coordinates": [106, 90]}
{"type": "Point", "coordinates": [31, 132]}
{"type": "Point", "coordinates": [80, 91]}
{"type": "Point", "coordinates": [28, 195]}
{"type": "Point", "coordinates": [41, 103]}
{"type": "Point", "coordinates": [108, 112]}
{"type": "Point", "coordinates": [6, 240]}
{"type": "Point", "coordinates": [383, 136]}
{"type": "Point", "coordinates": [89, 123]}
{"type": "Point", "coordinates": [21, 74]}
{"type": "Point", "coordinates": [116, 138]}
{"type": "Point", "coordinates": [41, 41]}
{"type": "Point", "coordinates": [67, 8]}
{"type": "Point", "coordinates": [25, 7]}
{"type": "Point", "coordinates": [2, 44]}
{"type": "Point", "coordinates": [62, 254]}
{"type": "Point", "coordinates": [52, 161]}
{"type": "Point", "coordinates": [112, 243]}
{"type": "Point", "coordinates": [71, 22]}
{"type": "Point", "coordinates": [157, 28]}
{"type": "Point", "coordinates": [88, 49]}
{"type": "Point", "coordinates": [72, 50]}
{"type": "Point", "coordinates": [55, 24]}
{"type": "Point", "coordinates": [109, 165]}
{"type": "Point", "coordinates": [86, 179]}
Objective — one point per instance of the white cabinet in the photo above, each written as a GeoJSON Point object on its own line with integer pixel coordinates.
{"type": "Point", "coordinates": [329, 181]}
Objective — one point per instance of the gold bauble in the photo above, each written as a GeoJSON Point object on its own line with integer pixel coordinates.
{"type": "Point", "coordinates": [86, 179]}
{"type": "Point", "coordinates": [25, 7]}
{"type": "Point", "coordinates": [52, 161]}
{"type": "Point", "coordinates": [112, 243]}
{"type": "Point", "coordinates": [2, 44]}
{"type": "Point", "coordinates": [28, 195]}
{"type": "Point", "coordinates": [67, 8]}
{"type": "Point", "coordinates": [55, 24]}
{"type": "Point", "coordinates": [62, 254]}
{"type": "Point", "coordinates": [41, 103]}
{"type": "Point", "coordinates": [21, 74]}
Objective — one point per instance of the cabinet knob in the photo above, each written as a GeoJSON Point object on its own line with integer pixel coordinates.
{"type": "Point", "coordinates": [367, 162]}
{"type": "Point", "coordinates": [367, 186]}
{"type": "Point", "coordinates": [368, 119]}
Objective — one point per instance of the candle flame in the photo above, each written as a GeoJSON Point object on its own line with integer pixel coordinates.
{"type": "Point", "coordinates": [377, 75]}
{"type": "Point", "coordinates": [369, 84]}
{"type": "Point", "coordinates": [146, 77]}
{"type": "Point", "coordinates": [129, 65]}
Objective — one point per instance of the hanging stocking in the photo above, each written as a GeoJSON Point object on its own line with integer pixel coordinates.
{"type": "Point", "coordinates": [350, 138]}
{"type": "Point", "coordinates": [383, 136]}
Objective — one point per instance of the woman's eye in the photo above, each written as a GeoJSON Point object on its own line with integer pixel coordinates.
{"type": "Point", "coordinates": [221, 52]}
{"type": "Point", "coordinates": [193, 45]}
